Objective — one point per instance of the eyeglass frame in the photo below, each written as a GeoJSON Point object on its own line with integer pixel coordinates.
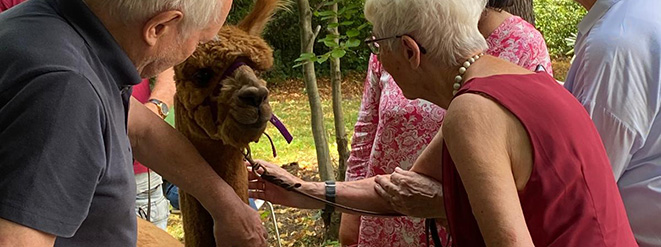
{"type": "Point", "coordinates": [372, 43]}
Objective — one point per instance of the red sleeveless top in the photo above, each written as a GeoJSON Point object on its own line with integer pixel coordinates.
{"type": "Point", "coordinates": [571, 198]}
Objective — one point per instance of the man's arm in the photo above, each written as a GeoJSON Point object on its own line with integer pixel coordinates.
{"type": "Point", "coordinates": [12, 234]}
{"type": "Point", "coordinates": [160, 147]}
{"type": "Point", "coordinates": [163, 90]}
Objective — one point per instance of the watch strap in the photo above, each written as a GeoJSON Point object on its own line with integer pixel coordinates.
{"type": "Point", "coordinates": [330, 196]}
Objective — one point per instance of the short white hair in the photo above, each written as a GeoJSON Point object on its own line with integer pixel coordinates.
{"type": "Point", "coordinates": [197, 13]}
{"type": "Point", "coordinates": [447, 29]}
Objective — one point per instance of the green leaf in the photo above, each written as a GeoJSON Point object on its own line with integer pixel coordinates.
{"type": "Point", "coordinates": [361, 27]}
{"type": "Point", "coordinates": [323, 58]}
{"type": "Point", "coordinates": [308, 55]}
{"type": "Point", "coordinates": [326, 18]}
{"type": "Point", "coordinates": [353, 33]}
{"type": "Point", "coordinates": [338, 53]}
{"type": "Point", "coordinates": [330, 43]}
{"type": "Point", "coordinates": [353, 43]}
{"type": "Point", "coordinates": [346, 23]}
{"type": "Point", "coordinates": [326, 13]}
{"type": "Point", "coordinates": [333, 25]}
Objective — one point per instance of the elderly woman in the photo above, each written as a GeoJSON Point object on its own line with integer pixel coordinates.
{"type": "Point", "coordinates": [391, 130]}
{"type": "Point", "coordinates": [520, 161]}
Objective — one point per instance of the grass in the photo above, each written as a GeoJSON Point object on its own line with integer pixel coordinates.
{"type": "Point", "coordinates": [295, 114]}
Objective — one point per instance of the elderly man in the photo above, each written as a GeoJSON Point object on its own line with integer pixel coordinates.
{"type": "Point", "coordinates": [65, 161]}
{"type": "Point", "coordinates": [617, 77]}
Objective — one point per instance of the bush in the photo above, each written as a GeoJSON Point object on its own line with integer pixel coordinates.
{"type": "Point", "coordinates": [557, 20]}
{"type": "Point", "coordinates": [283, 34]}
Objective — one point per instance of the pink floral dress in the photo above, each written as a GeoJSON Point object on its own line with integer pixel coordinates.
{"type": "Point", "coordinates": [392, 131]}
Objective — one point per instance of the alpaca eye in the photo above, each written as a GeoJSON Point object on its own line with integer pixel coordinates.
{"type": "Point", "coordinates": [202, 77]}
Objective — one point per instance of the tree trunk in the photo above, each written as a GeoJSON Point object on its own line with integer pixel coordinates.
{"type": "Point", "coordinates": [340, 130]}
{"type": "Point", "coordinates": [318, 131]}
{"type": "Point", "coordinates": [332, 221]}
{"type": "Point", "coordinates": [524, 9]}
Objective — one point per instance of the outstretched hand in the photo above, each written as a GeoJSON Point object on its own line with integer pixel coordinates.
{"type": "Point", "coordinates": [265, 190]}
{"type": "Point", "coordinates": [412, 194]}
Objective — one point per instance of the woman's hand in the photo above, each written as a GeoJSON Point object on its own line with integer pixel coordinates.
{"type": "Point", "coordinates": [265, 190]}
{"type": "Point", "coordinates": [412, 194]}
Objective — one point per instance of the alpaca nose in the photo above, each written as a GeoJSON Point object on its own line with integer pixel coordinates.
{"type": "Point", "coordinates": [253, 96]}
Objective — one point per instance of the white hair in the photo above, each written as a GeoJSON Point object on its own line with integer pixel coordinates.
{"type": "Point", "coordinates": [447, 29]}
{"type": "Point", "coordinates": [197, 13]}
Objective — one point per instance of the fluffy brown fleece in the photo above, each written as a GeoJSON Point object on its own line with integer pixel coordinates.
{"type": "Point", "coordinates": [151, 236]}
{"type": "Point", "coordinates": [222, 116]}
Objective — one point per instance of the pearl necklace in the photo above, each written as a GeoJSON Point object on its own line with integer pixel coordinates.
{"type": "Point", "coordinates": [460, 77]}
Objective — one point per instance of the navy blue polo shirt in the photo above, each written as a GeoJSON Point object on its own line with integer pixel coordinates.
{"type": "Point", "coordinates": [65, 157]}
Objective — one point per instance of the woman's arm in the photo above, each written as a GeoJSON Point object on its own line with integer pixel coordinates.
{"type": "Point", "coordinates": [362, 143]}
{"type": "Point", "coordinates": [477, 132]}
{"type": "Point", "coordinates": [365, 128]}
{"type": "Point", "coordinates": [357, 194]}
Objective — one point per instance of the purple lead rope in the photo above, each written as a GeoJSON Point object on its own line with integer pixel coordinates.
{"type": "Point", "coordinates": [283, 131]}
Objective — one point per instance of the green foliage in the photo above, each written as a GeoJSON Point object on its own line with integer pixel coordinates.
{"type": "Point", "coordinates": [348, 40]}
{"type": "Point", "coordinates": [283, 34]}
{"type": "Point", "coordinates": [557, 21]}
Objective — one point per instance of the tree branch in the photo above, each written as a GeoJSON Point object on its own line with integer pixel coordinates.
{"type": "Point", "coordinates": [314, 37]}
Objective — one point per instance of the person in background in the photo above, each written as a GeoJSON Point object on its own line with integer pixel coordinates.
{"type": "Point", "coordinates": [149, 183]}
{"type": "Point", "coordinates": [616, 75]}
{"type": "Point", "coordinates": [391, 130]}
{"type": "Point", "coordinates": [6, 4]}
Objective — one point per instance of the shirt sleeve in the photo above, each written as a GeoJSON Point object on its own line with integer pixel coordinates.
{"type": "Point", "coordinates": [618, 100]}
{"type": "Point", "coordinates": [365, 128]}
{"type": "Point", "coordinates": [619, 139]}
{"type": "Point", "coordinates": [52, 152]}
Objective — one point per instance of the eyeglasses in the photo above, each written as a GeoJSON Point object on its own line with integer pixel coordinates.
{"type": "Point", "coordinates": [374, 46]}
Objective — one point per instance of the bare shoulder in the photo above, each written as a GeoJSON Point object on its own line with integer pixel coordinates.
{"type": "Point", "coordinates": [474, 114]}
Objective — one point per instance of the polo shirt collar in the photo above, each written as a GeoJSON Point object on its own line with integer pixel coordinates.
{"type": "Point", "coordinates": [596, 12]}
{"type": "Point", "coordinates": [99, 40]}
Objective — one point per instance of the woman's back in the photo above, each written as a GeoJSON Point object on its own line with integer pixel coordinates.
{"type": "Point", "coordinates": [571, 198]}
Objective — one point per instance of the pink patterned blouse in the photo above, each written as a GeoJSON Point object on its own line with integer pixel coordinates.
{"type": "Point", "coordinates": [392, 131]}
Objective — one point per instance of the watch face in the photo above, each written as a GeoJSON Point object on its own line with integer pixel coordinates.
{"type": "Point", "coordinates": [164, 109]}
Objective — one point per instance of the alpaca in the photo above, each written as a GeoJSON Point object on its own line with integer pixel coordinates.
{"type": "Point", "coordinates": [222, 106]}
{"type": "Point", "coordinates": [149, 235]}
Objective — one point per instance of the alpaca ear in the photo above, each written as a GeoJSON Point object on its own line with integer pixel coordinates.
{"type": "Point", "coordinates": [255, 22]}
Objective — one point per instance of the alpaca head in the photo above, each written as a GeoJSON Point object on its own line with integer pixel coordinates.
{"type": "Point", "coordinates": [218, 88]}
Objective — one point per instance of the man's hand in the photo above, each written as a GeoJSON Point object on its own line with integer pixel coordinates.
{"type": "Point", "coordinates": [238, 228]}
{"type": "Point", "coordinates": [265, 190]}
{"type": "Point", "coordinates": [412, 194]}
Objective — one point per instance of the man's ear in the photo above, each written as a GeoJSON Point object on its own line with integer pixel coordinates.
{"type": "Point", "coordinates": [411, 51]}
{"type": "Point", "coordinates": [161, 24]}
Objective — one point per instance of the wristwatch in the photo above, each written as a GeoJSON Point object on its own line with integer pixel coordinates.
{"type": "Point", "coordinates": [163, 109]}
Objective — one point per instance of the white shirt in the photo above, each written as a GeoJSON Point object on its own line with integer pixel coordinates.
{"type": "Point", "coordinates": [617, 77]}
